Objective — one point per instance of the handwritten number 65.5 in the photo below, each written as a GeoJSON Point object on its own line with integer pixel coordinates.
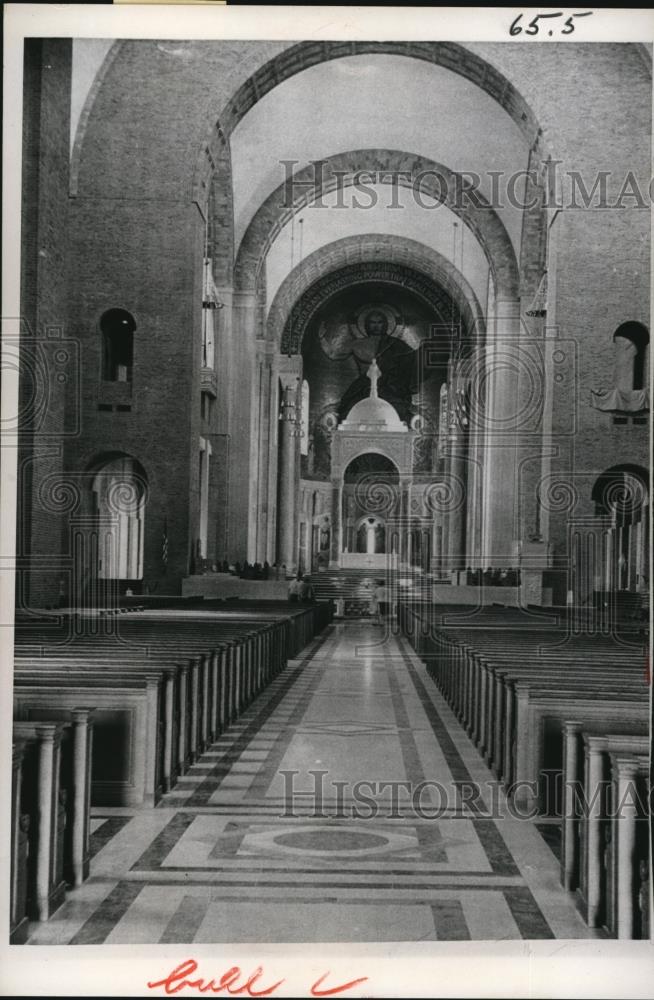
{"type": "Point", "coordinates": [533, 27]}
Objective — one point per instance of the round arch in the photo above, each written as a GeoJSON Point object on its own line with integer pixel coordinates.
{"type": "Point", "coordinates": [387, 467]}
{"type": "Point", "coordinates": [303, 55]}
{"type": "Point", "coordinates": [621, 497]}
{"type": "Point", "coordinates": [409, 170]}
{"type": "Point", "coordinates": [368, 448]}
{"type": "Point", "coordinates": [377, 257]}
{"type": "Point", "coordinates": [118, 486]}
{"type": "Point", "coordinates": [214, 122]}
{"type": "Point", "coordinates": [334, 282]}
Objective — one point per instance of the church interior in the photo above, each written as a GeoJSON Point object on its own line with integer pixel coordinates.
{"type": "Point", "coordinates": [332, 549]}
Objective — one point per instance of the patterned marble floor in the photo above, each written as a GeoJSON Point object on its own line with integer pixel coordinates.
{"type": "Point", "coordinates": [343, 806]}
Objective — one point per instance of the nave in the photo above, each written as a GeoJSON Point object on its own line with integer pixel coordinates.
{"type": "Point", "coordinates": [233, 854]}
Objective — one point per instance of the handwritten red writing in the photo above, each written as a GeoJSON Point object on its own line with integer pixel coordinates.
{"type": "Point", "coordinates": [316, 992]}
{"type": "Point", "coordinates": [233, 983]}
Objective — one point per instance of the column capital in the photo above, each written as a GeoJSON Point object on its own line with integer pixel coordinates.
{"type": "Point", "coordinates": [624, 767]}
{"type": "Point", "coordinates": [225, 295]}
{"type": "Point", "coordinates": [244, 299]}
{"type": "Point", "coordinates": [288, 367]}
{"type": "Point", "coordinates": [81, 715]}
{"type": "Point", "coordinates": [594, 744]}
{"type": "Point", "coordinates": [49, 732]}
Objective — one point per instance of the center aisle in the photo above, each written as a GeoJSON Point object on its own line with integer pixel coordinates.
{"type": "Point", "coordinates": [236, 853]}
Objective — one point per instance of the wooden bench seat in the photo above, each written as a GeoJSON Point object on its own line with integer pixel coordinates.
{"type": "Point", "coordinates": [482, 673]}
{"type": "Point", "coordinates": [195, 672]}
{"type": "Point", "coordinates": [627, 858]}
{"type": "Point", "coordinates": [591, 827]}
{"type": "Point", "coordinates": [75, 779]}
{"type": "Point", "coordinates": [562, 719]}
{"type": "Point", "coordinates": [203, 691]}
{"type": "Point", "coordinates": [127, 763]}
{"type": "Point", "coordinates": [19, 847]}
{"type": "Point", "coordinates": [43, 799]}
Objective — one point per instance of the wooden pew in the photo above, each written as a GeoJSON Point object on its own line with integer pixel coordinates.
{"type": "Point", "coordinates": [166, 683]}
{"type": "Point", "coordinates": [576, 775]}
{"type": "Point", "coordinates": [127, 736]}
{"type": "Point", "coordinates": [75, 780]}
{"type": "Point", "coordinates": [245, 664]}
{"type": "Point", "coordinates": [493, 692]}
{"type": "Point", "coordinates": [497, 697]}
{"type": "Point", "coordinates": [18, 919]}
{"type": "Point", "coordinates": [531, 698]}
{"type": "Point", "coordinates": [41, 798]}
{"type": "Point", "coordinates": [628, 847]}
{"type": "Point", "coordinates": [593, 891]}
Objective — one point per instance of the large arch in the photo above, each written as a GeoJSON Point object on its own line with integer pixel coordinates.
{"type": "Point", "coordinates": [247, 75]}
{"type": "Point", "coordinates": [384, 252]}
{"type": "Point", "coordinates": [303, 55]}
{"type": "Point", "coordinates": [409, 170]}
{"type": "Point", "coordinates": [317, 295]}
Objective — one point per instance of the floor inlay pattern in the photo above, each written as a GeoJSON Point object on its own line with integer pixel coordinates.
{"type": "Point", "coordinates": [334, 810]}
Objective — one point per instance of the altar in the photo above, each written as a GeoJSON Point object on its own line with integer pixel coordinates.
{"type": "Point", "coordinates": [375, 561]}
{"type": "Point", "coordinates": [369, 508]}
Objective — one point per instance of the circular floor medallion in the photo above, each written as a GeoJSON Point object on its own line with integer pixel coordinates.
{"type": "Point", "coordinates": [331, 840]}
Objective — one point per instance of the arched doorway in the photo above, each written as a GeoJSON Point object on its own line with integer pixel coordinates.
{"type": "Point", "coordinates": [621, 497]}
{"type": "Point", "coordinates": [370, 496]}
{"type": "Point", "coordinates": [370, 536]}
{"type": "Point", "coordinates": [118, 492]}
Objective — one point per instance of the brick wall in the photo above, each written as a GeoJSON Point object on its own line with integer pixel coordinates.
{"type": "Point", "coordinates": [48, 357]}
{"type": "Point", "coordinates": [145, 257]}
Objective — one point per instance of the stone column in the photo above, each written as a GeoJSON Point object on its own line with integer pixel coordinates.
{"type": "Point", "coordinates": [267, 453]}
{"type": "Point", "coordinates": [289, 372]}
{"type": "Point", "coordinates": [337, 523]}
{"type": "Point", "coordinates": [457, 513]}
{"type": "Point", "coordinates": [405, 523]}
{"type": "Point", "coordinates": [205, 458]}
{"type": "Point", "coordinates": [239, 350]}
{"type": "Point", "coordinates": [569, 844]}
{"type": "Point", "coordinates": [82, 767]}
{"type": "Point", "coordinates": [49, 736]}
{"type": "Point", "coordinates": [446, 515]}
{"type": "Point", "coordinates": [18, 877]}
{"type": "Point", "coordinates": [474, 499]}
{"type": "Point", "coordinates": [501, 421]}
{"type": "Point", "coordinates": [595, 746]}
{"type": "Point", "coordinates": [287, 513]}
{"type": "Point", "coordinates": [624, 772]}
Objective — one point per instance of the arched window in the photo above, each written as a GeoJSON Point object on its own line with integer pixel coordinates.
{"type": "Point", "coordinates": [631, 342]}
{"type": "Point", "coordinates": [117, 327]}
